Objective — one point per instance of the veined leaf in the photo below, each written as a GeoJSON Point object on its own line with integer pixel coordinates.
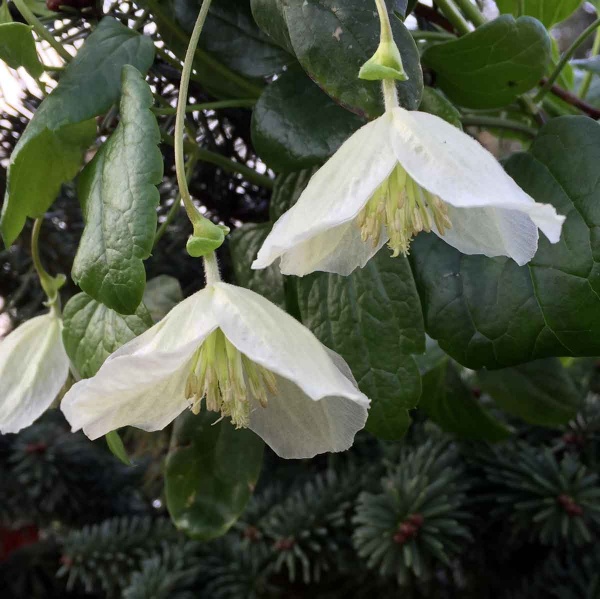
{"type": "Point", "coordinates": [51, 148]}
{"type": "Point", "coordinates": [119, 198]}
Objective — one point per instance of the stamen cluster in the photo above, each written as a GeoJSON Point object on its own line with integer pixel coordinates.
{"type": "Point", "coordinates": [405, 209]}
{"type": "Point", "coordinates": [227, 379]}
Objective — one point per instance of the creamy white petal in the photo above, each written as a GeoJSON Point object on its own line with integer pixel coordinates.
{"type": "Point", "coordinates": [142, 391]}
{"type": "Point", "coordinates": [186, 323]}
{"type": "Point", "coordinates": [339, 250]}
{"type": "Point", "coordinates": [294, 426]}
{"type": "Point", "coordinates": [33, 368]}
{"type": "Point", "coordinates": [274, 339]}
{"type": "Point", "coordinates": [336, 193]}
{"type": "Point", "coordinates": [143, 383]}
{"type": "Point", "coordinates": [452, 165]}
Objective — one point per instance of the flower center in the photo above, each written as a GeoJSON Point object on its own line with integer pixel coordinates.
{"type": "Point", "coordinates": [226, 379]}
{"type": "Point", "coordinates": [405, 209]}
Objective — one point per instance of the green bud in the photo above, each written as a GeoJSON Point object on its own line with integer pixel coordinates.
{"type": "Point", "coordinates": [386, 63]}
{"type": "Point", "coordinates": [207, 237]}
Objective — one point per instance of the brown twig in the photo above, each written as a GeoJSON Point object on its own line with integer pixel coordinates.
{"type": "Point", "coordinates": [433, 16]}
{"type": "Point", "coordinates": [574, 100]}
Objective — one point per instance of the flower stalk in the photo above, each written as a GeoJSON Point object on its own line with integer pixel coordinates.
{"type": "Point", "coordinates": [50, 284]}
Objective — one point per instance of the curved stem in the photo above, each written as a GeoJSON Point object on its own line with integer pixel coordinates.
{"type": "Point", "coordinates": [587, 78]}
{"type": "Point", "coordinates": [42, 32]}
{"type": "Point", "coordinates": [193, 214]}
{"type": "Point", "coordinates": [451, 12]}
{"type": "Point", "coordinates": [46, 280]}
{"type": "Point", "coordinates": [245, 103]}
{"type": "Point", "coordinates": [489, 121]}
{"type": "Point", "coordinates": [565, 59]}
{"type": "Point", "coordinates": [472, 12]}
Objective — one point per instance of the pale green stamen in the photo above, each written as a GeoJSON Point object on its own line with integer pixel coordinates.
{"type": "Point", "coordinates": [405, 209]}
{"type": "Point", "coordinates": [227, 380]}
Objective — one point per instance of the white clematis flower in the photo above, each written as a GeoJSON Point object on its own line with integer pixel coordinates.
{"type": "Point", "coordinates": [33, 369]}
{"type": "Point", "coordinates": [245, 358]}
{"type": "Point", "coordinates": [403, 173]}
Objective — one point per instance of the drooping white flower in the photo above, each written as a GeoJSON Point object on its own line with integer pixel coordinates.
{"type": "Point", "coordinates": [403, 173]}
{"type": "Point", "coordinates": [33, 369]}
{"type": "Point", "coordinates": [237, 353]}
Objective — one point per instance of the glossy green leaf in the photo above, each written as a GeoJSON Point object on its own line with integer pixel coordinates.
{"type": "Point", "coordinates": [295, 125]}
{"type": "Point", "coordinates": [540, 392]}
{"type": "Point", "coordinates": [115, 444]}
{"type": "Point", "coordinates": [492, 313]}
{"type": "Point", "coordinates": [51, 148]}
{"type": "Point", "coordinates": [119, 198]}
{"type": "Point", "coordinates": [332, 39]}
{"type": "Point", "coordinates": [449, 403]}
{"type": "Point", "coordinates": [434, 102]}
{"type": "Point", "coordinates": [492, 65]}
{"type": "Point", "coordinates": [211, 471]}
{"type": "Point", "coordinates": [549, 12]}
{"type": "Point", "coordinates": [161, 294]}
{"type": "Point", "coordinates": [17, 48]}
{"type": "Point", "coordinates": [244, 244]}
{"type": "Point", "coordinates": [269, 16]}
{"type": "Point", "coordinates": [91, 332]}
{"type": "Point", "coordinates": [287, 190]}
{"type": "Point", "coordinates": [231, 35]}
{"type": "Point", "coordinates": [372, 318]}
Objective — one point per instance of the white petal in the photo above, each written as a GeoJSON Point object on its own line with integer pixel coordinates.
{"type": "Point", "coordinates": [274, 339]}
{"type": "Point", "coordinates": [295, 426]}
{"type": "Point", "coordinates": [339, 250]}
{"type": "Point", "coordinates": [33, 368]}
{"type": "Point", "coordinates": [143, 383]}
{"type": "Point", "coordinates": [335, 194]}
{"type": "Point", "coordinates": [452, 165]}
{"type": "Point", "coordinates": [142, 391]}
{"type": "Point", "coordinates": [492, 232]}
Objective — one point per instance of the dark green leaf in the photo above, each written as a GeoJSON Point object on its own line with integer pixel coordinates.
{"type": "Point", "coordinates": [17, 48]}
{"type": "Point", "coordinates": [269, 15]}
{"type": "Point", "coordinates": [372, 318]}
{"type": "Point", "coordinates": [115, 444]}
{"type": "Point", "coordinates": [436, 103]}
{"type": "Point", "coordinates": [449, 403]}
{"type": "Point", "coordinates": [211, 471]}
{"type": "Point", "coordinates": [232, 37]}
{"type": "Point", "coordinates": [244, 244]}
{"type": "Point", "coordinates": [119, 198]}
{"type": "Point", "coordinates": [332, 39]}
{"type": "Point", "coordinates": [296, 125]}
{"type": "Point", "coordinates": [492, 313]}
{"type": "Point", "coordinates": [549, 12]}
{"type": "Point", "coordinates": [540, 392]}
{"type": "Point", "coordinates": [92, 332]}
{"type": "Point", "coordinates": [5, 16]}
{"type": "Point", "coordinates": [51, 149]}
{"type": "Point", "coordinates": [287, 190]}
{"type": "Point", "coordinates": [161, 294]}
{"type": "Point", "coordinates": [492, 65]}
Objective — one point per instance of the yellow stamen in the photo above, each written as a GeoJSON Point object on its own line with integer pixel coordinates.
{"type": "Point", "coordinates": [405, 209]}
{"type": "Point", "coordinates": [227, 380]}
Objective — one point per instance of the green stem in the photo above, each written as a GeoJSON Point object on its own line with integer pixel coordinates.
{"type": "Point", "coordinates": [490, 121]}
{"type": "Point", "coordinates": [249, 103]}
{"type": "Point", "coordinates": [433, 36]}
{"type": "Point", "coordinates": [203, 57]}
{"type": "Point", "coordinates": [42, 32]}
{"type": "Point", "coordinates": [51, 68]}
{"type": "Point", "coordinates": [565, 59]}
{"type": "Point", "coordinates": [231, 166]}
{"type": "Point", "coordinates": [587, 78]}
{"type": "Point", "coordinates": [191, 210]}
{"type": "Point", "coordinates": [46, 280]}
{"type": "Point", "coordinates": [189, 169]}
{"type": "Point", "coordinates": [385, 32]}
{"type": "Point", "coordinates": [472, 12]}
{"type": "Point", "coordinates": [451, 12]}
